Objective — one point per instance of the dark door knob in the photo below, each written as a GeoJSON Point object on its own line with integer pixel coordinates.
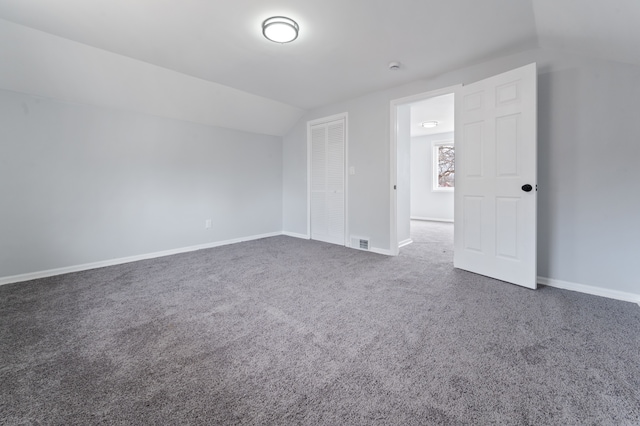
{"type": "Point", "coordinates": [527, 188]}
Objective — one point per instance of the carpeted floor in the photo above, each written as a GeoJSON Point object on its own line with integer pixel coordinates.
{"type": "Point", "coordinates": [287, 331]}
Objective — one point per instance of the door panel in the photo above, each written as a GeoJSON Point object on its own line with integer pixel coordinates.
{"type": "Point", "coordinates": [507, 227]}
{"type": "Point", "coordinates": [473, 149]}
{"type": "Point", "coordinates": [318, 215]}
{"type": "Point", "coordinates": [506, 151]}
{"type": "Point", "coordinates": [473, 223]}
{"type": "Point", "coordinates": [495, 220]}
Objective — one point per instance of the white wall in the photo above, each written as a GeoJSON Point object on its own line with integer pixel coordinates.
{"type": "Point", "coordinates": [82, 184]}
{"type": "Point", "coordinates": [425, 202]}
{"type": "Point", "coordinates": [588, 109]}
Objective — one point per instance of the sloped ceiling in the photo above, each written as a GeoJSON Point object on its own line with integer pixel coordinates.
{"type": "Point", "coordinates": [602, 29]}
{"type": "Point", "coordinates": [38, 63]}
{"type": "Point", "coordinates": [342, 51]}
{"type": "Point", "coordinates": [344, 46]}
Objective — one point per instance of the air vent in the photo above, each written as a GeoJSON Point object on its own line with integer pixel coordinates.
{"type": "Point", "coordinates": [360, 243]}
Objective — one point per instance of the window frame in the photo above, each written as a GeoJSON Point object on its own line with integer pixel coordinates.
{"type": "Point", "coordinates": [435, 145]}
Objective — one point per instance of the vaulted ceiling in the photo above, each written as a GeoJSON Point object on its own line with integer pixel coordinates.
{"type": "Point", "coordinates": [344, 46]}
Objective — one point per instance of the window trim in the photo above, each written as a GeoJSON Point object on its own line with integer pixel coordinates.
{"type": "Point", "coordinates": [434, 165]}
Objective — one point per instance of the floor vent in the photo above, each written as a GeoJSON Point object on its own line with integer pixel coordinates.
{"type": "Point", "coordinates": [360, 243]}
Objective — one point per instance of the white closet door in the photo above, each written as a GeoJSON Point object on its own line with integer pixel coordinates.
{"type": "Point", "coordinates": [319, 229]}
{"type": "Point", "coordinates": [327, 182]}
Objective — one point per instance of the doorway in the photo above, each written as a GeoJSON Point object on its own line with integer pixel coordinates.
{"type": "Point", "coordinates": [423, 147]}
{"type": "Point", "coordinates": [432, 168]}
{"type": "Point", "coordinates": [496, 168]}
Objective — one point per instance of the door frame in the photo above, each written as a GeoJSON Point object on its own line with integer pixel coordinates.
{"type": "Point", "coordinates": [341, 116]}
{"type": "Point", "coordinates": [394, 247]}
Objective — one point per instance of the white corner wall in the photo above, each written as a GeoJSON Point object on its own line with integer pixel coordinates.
{"type": "Point", "coordinates": [588, 165]}
{"type": "Point", "coordinates": [82, 184]}
{"type": "Point", "coordinates": [427, 204]}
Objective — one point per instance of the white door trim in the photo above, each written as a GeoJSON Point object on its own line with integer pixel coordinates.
{"type": "Point", "coordinates": [342, 116]}
{"type": "Point", "coordinates": [394, 246]}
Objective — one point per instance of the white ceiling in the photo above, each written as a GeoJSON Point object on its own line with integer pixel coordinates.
{"type": "Point", "coordinates": [344, 46]}
{"type": "Point", "coordinates": [439, 108]}
{"type": "Point", "coordinates": [342, 51]}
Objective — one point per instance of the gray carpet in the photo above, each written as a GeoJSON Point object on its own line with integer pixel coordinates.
{"type": "Point", "coordinates": [287, 331]}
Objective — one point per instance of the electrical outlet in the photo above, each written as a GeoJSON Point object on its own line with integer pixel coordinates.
{"type": "Point", "coordinates": [207, 224]}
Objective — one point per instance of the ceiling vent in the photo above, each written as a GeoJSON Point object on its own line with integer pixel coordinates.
{"type": "Point", "coordinates": [360, 243]}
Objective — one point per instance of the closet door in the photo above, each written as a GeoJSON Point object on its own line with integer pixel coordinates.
{"type": "Point", "coordinates": [327, 182]}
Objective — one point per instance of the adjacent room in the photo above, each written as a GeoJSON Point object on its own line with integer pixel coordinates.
{"type": "Point", "coordinates": [319, 212]}
{"type": "Point", "coordinates": [426, 158]}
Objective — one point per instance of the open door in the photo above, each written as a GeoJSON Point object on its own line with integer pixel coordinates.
{"type": "Point", "coordinates": [496, 171]}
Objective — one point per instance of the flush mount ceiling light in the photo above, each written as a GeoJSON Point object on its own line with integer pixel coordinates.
{"type": "Point", "coordinates": [429, 124]}
{"type": "Point", "coordinates": [280, 29]}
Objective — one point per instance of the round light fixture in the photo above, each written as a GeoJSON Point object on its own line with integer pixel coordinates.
{"type": "Point", "coordinates": [280, 29]}
{"type": "Point", "coordinates": [429, 124]}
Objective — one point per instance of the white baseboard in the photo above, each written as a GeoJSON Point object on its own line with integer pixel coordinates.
{"type": "Point", "coordinates": [121, 260]}
{"type": "Point", "coordinates": [431, 219]}
{"type": "Point", "coordinates": [386, 252]}
{"type": "Point", "coordinates": [582, 288]}
{"type": "Point", "coordinates": [588, 289]}
{"type": "Point", "coordinates": [296, 235]}
{"type": "Point", "coordinates": [405, 243]}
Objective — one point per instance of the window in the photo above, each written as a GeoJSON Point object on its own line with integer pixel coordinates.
{"type": "Point", "coordinates": [444, 166]}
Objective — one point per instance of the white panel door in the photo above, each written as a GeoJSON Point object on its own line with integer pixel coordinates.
{"type": "Point", "coordinates": [495, 183]}
{"type": "Point", "coordinates": [327, 182]}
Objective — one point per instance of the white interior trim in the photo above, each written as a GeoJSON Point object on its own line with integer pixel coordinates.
{"type": "Point", "coordinates": [394, 247]}
{"type": "Point", "coordinates": [431, 219]}
{"type": "Point", "coordinates": [122, 260]}
{"type": "Point", "coordinates": [405, 242]}
{"type": "Point", "coordinates": [381, 251]}
{"type": "Point", "coordinates": [342, 116]}
{"type": "Point", "coordinates": [296, 235]}
{"type": "Point", "coordinates": [434, 164]}
{"type": "Point", "coordinates": [588, 289]}
{"type": "Point", "coordinates": [566, 285]}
